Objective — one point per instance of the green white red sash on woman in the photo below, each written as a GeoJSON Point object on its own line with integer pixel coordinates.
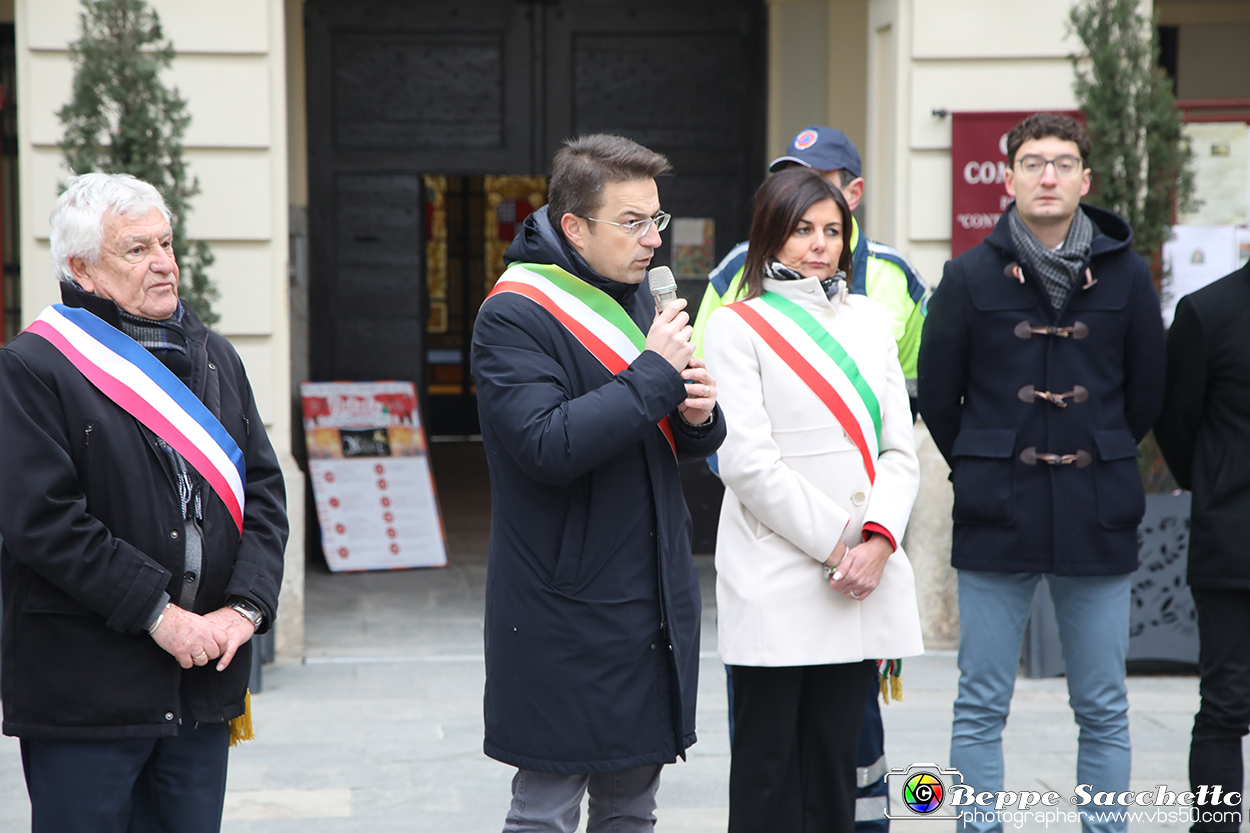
{"type": "Point", "coordinates": [822, 364]}
{"type": "Point", "coordinates": [139, 384]}
{"type": "Point", "coordinates": [598, 322]}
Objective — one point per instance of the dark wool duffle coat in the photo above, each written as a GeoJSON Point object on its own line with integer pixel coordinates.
{"type": "Point", "coordinates": [93, 535]}
{"type": "Point", "coordinates": [592, 597]}
{"type": "Point", "coordinates": [990, 345]}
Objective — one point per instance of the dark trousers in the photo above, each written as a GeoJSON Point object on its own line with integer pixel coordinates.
{"type": "Point", "coordinates": [871, 798]}
{"type": "Point", "coordinates": [1224, 715]}
{"type": "Point", "coordinates": [136, 785]}
{"type": "Point", "coordinates": [796, 734]}
{"type": "Point", "coordinates": [871, 801]}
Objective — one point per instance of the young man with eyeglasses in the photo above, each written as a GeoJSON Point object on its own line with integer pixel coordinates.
{"type": "Point", "coordinates": [1041, 368]}
{"type": "Point", "coordinates": [588, 398]}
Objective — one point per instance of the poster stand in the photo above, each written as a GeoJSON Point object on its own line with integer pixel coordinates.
{"type": "Point", "coordinates": [371, 476]}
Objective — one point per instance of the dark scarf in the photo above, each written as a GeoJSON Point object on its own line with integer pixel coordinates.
{"type": "Point", "coordinates": [1056, 271]}
{"type": "Point", "coordinates": [155, 335]}
{"type": "Point", "coordinates": [778, 271]}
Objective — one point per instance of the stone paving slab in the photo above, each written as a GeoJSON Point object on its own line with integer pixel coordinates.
{"type": "Point", "coordinates": [381, 728]}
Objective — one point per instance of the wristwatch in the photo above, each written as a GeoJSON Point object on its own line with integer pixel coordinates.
{"type": "Point", "coordinates": [247, 610]}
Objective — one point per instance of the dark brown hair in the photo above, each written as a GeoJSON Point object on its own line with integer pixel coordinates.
{"type": "Point", "coordinates": [1046, 125]}
{"type": "Point", "coordinates": [585, 164]}
{"type": "Point", "coordinates": [779, 207]}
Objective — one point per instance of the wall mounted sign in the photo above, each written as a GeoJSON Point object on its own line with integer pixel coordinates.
{"type": "Point", "coordinates": [978, 170]}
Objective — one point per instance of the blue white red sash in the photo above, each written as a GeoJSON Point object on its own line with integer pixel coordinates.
{"type": "Point", "coordinates": [141, 386]}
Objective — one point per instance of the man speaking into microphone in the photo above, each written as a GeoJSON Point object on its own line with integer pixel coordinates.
{"type": "Point", "coordinates": [588, 398]}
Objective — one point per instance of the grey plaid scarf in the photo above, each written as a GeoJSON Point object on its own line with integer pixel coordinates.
{"type": "Point", "coordinates": [155, 335]}
{"type": "Point", "coordinates": [778, 271]}
{"type": "Point", "coordinates": [1056, 271]}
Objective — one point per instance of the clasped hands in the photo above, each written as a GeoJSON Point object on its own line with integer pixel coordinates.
{"type": "Point", "coordinates": [857, 570]}
{"type": "Point", "coordinates": [194, 640]}
{"type": "Point", "coordinates": [670, 337]}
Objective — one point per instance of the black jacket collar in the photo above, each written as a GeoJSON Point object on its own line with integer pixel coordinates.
{"type": "Point", "coordinates": [101, 308]}
{"type": "Point", "coordinates": [539, 242]}
{"type": "Point", "coordinates": [106, 310]}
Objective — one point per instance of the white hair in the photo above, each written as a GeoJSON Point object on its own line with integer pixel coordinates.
{"type": "Point", "coordinates": [78, 219]}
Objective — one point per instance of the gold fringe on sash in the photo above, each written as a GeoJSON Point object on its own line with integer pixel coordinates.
{"type": "Point", "coordinates": [241, 727]}
{"type": "Point", "coordinates": [890, 679]}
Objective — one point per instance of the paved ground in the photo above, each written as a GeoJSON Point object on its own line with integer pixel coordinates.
{"type": "Point", "coordinates": [380, 728]}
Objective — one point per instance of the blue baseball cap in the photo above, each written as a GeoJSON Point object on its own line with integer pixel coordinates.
{"type": "Point", "coordinates": [822, 148]}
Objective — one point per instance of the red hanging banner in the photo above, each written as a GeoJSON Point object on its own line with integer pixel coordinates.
{"type": "Point", "coordinates": [978, 168]}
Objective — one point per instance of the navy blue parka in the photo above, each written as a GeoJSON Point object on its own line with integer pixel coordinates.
{"type": "Point", "coordinates": [592, 597]}
{"type": "Point", "coordinates": [986, 354]}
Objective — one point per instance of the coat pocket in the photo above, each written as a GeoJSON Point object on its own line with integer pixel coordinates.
{"type": "Point", "coordinates": [758, 529]}
{"type": "Point", "coordinates": [984, 476]}
{"type": "Point", "coordinates": [1121, 498]}
{"type": "Point", "coordinates": [573, 541]}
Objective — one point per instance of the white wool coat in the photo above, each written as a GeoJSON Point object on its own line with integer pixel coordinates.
{"type": "Point", "coordinates": [796, 485]}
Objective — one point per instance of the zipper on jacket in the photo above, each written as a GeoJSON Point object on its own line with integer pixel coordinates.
{"type": "Point", "coordinates": [87, 431]}
{"type": "Point", "coordinates": [247, 426]}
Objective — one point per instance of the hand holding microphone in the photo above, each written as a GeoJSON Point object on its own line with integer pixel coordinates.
{"type": "Point", "coordinates": [670, 337]}
{"type": "Point", "coordinates": [670, 332]}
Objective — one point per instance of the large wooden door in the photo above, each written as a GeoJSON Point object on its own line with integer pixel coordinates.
{"type": "Point", "coordinates": [396, 91]}
{"type": "Point", "coordinates": [479, 87]}
{"type": "Point", "coordinates": [686, 79]}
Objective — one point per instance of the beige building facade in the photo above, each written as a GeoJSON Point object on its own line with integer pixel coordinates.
{"type": "Point", "coordinates": [231, 67]}
{"type": "Point", "coordinates": [888, 72]}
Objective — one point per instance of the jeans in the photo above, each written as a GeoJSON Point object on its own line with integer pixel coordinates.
{"type": "Point", "coordinates": [620, 802]}
{"type": "Point", "coordinates": [1093, 616]}
{"type": "Point", "coordinates": [1224, 715]}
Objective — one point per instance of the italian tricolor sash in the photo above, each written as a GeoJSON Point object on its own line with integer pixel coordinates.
{"type": "Point", "coordinates": [822, 364]}
{"type": "Point", "coordinates": [597, 322]}
{"type": "Point", "coordinates": [141, 386]}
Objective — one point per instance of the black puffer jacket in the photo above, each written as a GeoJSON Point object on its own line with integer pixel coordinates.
{"type": "Point", "coordinates": [93, 534]}
{"type": "Point", "coordinates": [980, 365]}
{"type": "Point", "coordinates": [592, 598]}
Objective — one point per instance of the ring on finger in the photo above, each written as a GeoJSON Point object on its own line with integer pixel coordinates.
{"type": "Point", "coordinates": [854, 595]}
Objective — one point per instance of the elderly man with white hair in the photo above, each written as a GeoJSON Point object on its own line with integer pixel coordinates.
{"type": "Point", "coordinates": [143, 517]}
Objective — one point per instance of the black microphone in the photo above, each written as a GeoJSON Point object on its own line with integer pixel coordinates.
{"type": "Point", "coordinates": [663, 286]}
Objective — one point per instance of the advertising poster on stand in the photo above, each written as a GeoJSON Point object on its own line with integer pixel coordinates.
{"type": "Point", "coordinates": [371, 476]}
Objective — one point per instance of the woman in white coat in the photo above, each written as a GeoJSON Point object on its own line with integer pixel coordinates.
{"type": "Point", "coordinates": [820, 472]}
